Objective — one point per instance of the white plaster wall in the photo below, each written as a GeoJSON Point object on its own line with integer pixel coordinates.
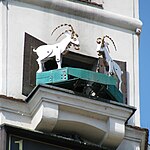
{"type": "Point", "coordinates": [130, 145]}
{"type": "Point", "coordinates": [135, 139]}
{"type": "Point", "coordinates": [120, 6]}
{"type": "Point", "coordinates": [128, 8]}
{"type": "Point", "coordinates": [3, 48]}
{"type": "Point", "coordinates": [39, 22]}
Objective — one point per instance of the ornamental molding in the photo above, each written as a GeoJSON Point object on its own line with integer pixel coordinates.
{"type": "Point", "coordinates": [91, 13]}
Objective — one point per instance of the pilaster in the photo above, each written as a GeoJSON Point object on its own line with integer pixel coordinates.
{"type": "Point", "coordinates": [3, 46]}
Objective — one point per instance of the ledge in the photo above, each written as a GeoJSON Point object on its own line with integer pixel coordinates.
{"type": "Point", "coordinates": [137, 134]}
{"type": "Point", "coordinates": [61, 111]}
{"type": "Point", "coordinates": [55, 110]}
{"type": "Point", "coordinates": [88, 12]}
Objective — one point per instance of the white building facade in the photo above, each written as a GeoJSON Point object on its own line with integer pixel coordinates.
{"type": "Point", "coordinates": [51, 109]}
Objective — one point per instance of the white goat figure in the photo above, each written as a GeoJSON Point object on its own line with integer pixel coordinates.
{"type": "Point", "coordinates": [45, 52]}
{"type": "Point", "coordinates": [112, 67]}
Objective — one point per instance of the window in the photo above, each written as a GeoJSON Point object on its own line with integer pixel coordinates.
{"type": "Point", "coordinates": [71, 59]}
{"type": "Point", "coordinates": [30, 65]}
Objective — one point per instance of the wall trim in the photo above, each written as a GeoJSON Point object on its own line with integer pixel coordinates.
{"type": "Point", "coordinates": [89, 12]}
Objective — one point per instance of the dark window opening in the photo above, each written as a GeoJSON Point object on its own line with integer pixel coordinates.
{"type": "Point", "coordinates": [50, 64]}
{"type": "Point", "coordinates": [30, 65]}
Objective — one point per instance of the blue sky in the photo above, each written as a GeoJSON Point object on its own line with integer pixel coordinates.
{"type": "Point", "coordinates": [144, 55]}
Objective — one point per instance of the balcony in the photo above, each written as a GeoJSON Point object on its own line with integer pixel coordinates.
{"type": "Point", "coordinates": [61, 111]}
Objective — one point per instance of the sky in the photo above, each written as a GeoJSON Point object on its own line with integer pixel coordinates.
{"type": "Point", "coordinates": [144, 57]}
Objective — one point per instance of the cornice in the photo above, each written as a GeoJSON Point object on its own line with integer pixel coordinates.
{"type": "Point", "coordinates": [53, 107]}
{"type": "Point", "coordinates": [89, 12]}
{"type": "Point", "coordinates": [140, 134]}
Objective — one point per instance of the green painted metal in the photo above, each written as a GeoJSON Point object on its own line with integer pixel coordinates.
{"type": "Point", "coordinates": [67, 77]}
{"type": "Point", "coordinates": [52, 76]}
{"type": "Point", "coordinates": [112, 90]}
{"type": "Point", "coordinates": [92, 76]}
{"type": "Point", "coordinates": [59, 75]}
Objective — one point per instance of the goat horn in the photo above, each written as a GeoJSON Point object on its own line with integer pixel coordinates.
{"type": "Point", "coordinates": [55, 29]}
{"type": "Point", "coordinates": [98, 40]}
{"type": "Point", "coordinates": [106, 36]}
{"type": "Point", "coordinates": [69, 25]}
{"type": "Point", "coordinates": [62, 34]}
